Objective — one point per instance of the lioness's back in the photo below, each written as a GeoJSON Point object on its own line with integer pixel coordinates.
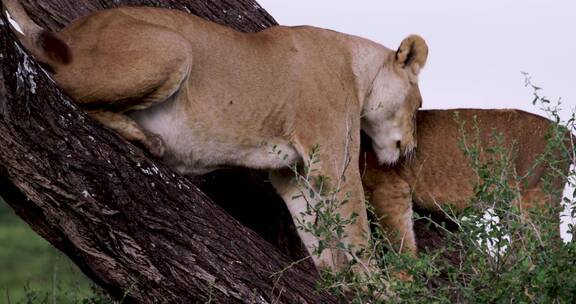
{"type": "Point", "coordinates": [441, 172]}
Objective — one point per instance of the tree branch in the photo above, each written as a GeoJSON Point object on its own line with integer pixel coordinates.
{"type": "Point", "coordinates": [130, 223]}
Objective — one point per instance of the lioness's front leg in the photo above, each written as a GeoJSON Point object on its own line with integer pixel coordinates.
{"type": "Point", "coordinates": [351, 200]}
{"type": "Point", "coordinates": [392, 201]}
{"type": "Point", "coordinates": [297, 199]}
{"type": "Point", "coordinates": [333, 195]}
{"type": "Point", "coordinates": [130, 130]}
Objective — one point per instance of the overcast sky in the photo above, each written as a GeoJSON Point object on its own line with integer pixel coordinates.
{"type": "Point", "coordinates": [478, 49]}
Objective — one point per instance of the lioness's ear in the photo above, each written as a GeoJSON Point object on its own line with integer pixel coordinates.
{"type": "Point", "coordinates": [412, 55]}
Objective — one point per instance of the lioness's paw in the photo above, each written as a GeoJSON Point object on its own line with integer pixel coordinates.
{"type": "Point", "coordinates": [155, 145]}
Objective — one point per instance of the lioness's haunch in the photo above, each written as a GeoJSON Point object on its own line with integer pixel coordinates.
{"type": "Point", "coordinates": [204, 96]}
{"type": "Point", "coordinates": [439, 173]}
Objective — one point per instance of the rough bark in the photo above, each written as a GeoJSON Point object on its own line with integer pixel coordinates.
{"type": "Point", "coordinates": [131, 224]}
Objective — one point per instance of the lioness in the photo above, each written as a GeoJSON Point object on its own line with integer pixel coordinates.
{"type": "Point", "coordinates": [204, 96]}
{"type": "Point", "coordinates": [439, 173]}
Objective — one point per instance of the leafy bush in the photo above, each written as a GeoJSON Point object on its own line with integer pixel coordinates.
{"type": "Point", "coordinates": [498, 254]}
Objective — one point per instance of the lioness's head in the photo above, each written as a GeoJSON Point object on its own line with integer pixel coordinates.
{"type": "Point", "coordinates": [389, 113]}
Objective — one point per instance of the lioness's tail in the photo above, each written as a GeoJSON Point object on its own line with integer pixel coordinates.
{"type": "Point", "coordinates": [43, 44]}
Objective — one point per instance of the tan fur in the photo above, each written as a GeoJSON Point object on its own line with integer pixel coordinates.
{"type": "Point", "coordinates": [204, 96]}
{"type": "Point", "coordinates": [439, 173]}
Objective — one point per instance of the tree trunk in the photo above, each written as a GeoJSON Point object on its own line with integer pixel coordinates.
{"type": "Point", "coordinates": [131, 224]}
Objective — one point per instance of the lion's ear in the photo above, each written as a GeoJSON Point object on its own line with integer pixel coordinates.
{"type": "Point", "coordinates": [412, 54]}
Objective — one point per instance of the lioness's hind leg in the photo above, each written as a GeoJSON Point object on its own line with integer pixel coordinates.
{"type": "Point", "coordinates": [130, 130]}
{"type": "Point", "coordinates": [149, 65]}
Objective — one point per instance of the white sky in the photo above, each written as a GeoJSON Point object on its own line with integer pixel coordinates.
{"type": "Point", "coordinates": [478, 49]}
